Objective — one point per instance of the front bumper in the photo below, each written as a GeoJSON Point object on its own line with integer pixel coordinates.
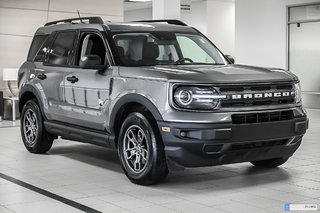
{"type": "Point", "coordinates": [207, 144]}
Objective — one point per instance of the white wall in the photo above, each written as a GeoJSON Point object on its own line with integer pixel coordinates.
{"type": "Point", "coordinates": [260, 31]}
{"type": "Point", "coordinates": [221, 23]}
{"type": "Point", "coordinates": [138, 14]}
{"type": "Point", "coordinates": [197, 17]}
{"type": "Point", "coordinates": [19, 20]}
{"type": "Point", "coordinates": [214, 18]}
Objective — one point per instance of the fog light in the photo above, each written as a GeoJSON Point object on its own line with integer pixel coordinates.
{"type": "Point", "coordinates": [183, 134]}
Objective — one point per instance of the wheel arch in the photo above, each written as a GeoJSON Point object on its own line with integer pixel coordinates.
{"type": "Point", "coordinates": [27, 93]}
{"type": "Point", "coordinates": [127, 104]}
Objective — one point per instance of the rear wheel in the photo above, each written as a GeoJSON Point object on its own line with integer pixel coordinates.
{"type": "Point", "coordinates": [270, 163]}
{"type": "Point", "coordinates": [141, 150]}
{"type": "Point", "coordinates": [34, 136]}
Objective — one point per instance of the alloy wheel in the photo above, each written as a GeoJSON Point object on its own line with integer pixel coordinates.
{"type": "Point", "coordinates": [136, 149]}
{"type": "Point", "coordinates": [30, 126]}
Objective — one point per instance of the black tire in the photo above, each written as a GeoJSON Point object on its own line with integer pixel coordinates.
{"type": "Point", "coordinates": [152, 169]}
{"type": "Point", "coordinates": [34, 136]}
{"type": "Point", "coordinates": [270, 163]}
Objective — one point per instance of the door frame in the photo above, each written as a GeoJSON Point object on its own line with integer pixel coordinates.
{"type": "Point", "coordinates": [288, 23]}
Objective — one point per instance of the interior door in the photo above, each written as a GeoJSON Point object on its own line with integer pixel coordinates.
{"type": "Point", "coordinates": [87, 90]}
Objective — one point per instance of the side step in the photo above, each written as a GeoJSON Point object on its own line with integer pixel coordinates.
{"type": "Point", "coordinates": [81, 134]}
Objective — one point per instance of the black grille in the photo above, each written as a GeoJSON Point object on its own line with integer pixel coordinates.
{"type": "Point", "coordinates": [262, 117]}
{"type": "Point", "coordinates": [256, 89]}
{"type": "Point", "coordinates": [260, 144]}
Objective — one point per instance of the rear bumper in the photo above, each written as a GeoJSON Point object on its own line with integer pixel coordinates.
{"type": "Point", "coordinates": [195, 145]}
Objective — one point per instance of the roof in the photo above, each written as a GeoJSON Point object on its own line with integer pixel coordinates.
{"type": "Point", "coordinates": [146, 26]}
{"type": "Point", "coordinates": [143, 26]}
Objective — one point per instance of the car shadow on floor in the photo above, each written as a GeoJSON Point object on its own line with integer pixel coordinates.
{"type": "Point", "coordinates": [89, 154]}
{"type": "Point", "coordinates": [225, 177]}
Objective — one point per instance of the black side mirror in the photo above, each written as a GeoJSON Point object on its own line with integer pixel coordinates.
{"type": "Point", "coordinates": [230, 58]}
{"type": "Point", "coordinates": [90, 62]}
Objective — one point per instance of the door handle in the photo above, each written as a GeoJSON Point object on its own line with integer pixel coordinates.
{"type": "Point", "coordinates": [41, 76]}
{"type": "Point", "coordinates": [73, 79]}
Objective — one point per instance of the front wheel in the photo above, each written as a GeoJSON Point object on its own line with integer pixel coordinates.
{"type": "Point", "coordinates": [141, 150]}
{"type": "Point", "coordinates": [34, 136]}
{"type": "Point", "coordinates": [270, 163]}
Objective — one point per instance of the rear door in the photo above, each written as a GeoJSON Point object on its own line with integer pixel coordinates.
{"type": "Point", "coordinates": [50, 64]}
{"type": "Point", "coordinates": [52, 71]}
{"type": "Point", "coordinates": [87, 90]}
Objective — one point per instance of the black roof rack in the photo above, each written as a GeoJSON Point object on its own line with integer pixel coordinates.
{"type": "Point", "coordinates": [169, 21]}
{"type": "Point", "coordinates": [92, 20]}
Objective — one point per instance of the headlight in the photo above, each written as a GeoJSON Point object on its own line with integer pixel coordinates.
{"type": "Point", "coordinates": [196, 98]}
{"type": "Point", "coordinates": [297, 90]}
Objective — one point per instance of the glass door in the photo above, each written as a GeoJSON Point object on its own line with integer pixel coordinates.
{"type": "Point", "coordinates": [304, 50]}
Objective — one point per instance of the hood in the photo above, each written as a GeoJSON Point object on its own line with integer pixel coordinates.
{"type": "Point", "coordinates": [208, 73]}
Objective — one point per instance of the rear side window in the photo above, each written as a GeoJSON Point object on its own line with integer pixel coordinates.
{"type": "Point", "coordinates": [61, 48]}
{"type": "Point", "coordinates": [37, 42]}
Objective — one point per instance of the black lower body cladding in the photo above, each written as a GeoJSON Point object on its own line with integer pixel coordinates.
{"type": "Point", "coordinates": [195, 144]}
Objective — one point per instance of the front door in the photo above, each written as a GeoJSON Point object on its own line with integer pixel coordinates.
{"type": "Point", "coordinates": [87, 90]}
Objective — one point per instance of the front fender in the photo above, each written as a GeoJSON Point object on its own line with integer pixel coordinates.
{"type": "Point", "coordinates": [132, 98]}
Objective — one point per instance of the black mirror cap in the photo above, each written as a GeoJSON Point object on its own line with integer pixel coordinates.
{"type": "Point", "coordinates": [90, 62]}
{"type": "Point", "coordinates": [230, 59]}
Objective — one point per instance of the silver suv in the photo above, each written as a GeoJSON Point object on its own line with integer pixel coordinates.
{"type": "Point", "coordinates": [160, 93]}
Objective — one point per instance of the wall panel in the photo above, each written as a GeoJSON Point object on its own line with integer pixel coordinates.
{"type": "Point", "coordinates": [19, 20]}
{"type": "Point", "coordinates": [110, 7]}
{"type": "Point", "coordinates": [25, 4]}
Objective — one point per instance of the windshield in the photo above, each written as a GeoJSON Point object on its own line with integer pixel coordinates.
{"type": "Point", "coordinates": [166, 48]}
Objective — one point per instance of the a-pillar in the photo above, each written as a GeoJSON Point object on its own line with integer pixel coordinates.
{"type": "Point", "coordinates": [165, 9]}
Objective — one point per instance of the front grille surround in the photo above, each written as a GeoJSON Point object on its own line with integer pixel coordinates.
{"type": "Point", "coordinates": [227, 90]}
{"type": "Point", "coordinates": [286, 91]}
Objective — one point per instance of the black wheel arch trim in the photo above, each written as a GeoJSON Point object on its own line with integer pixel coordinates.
{"type": "Point", "coordinates": [133, 98]}
{"type": "Point", "coordinates": [30, 89]}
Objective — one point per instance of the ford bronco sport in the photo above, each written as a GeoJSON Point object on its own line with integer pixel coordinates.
{"type": "Point", "coordinates": [160, 93]}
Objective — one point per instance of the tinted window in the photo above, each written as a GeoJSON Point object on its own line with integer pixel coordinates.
{"type": "Point", "coordinates": [61, 48]}
{"type": "Point", "coordinates": [37, 42]}
{"type": "Point", "coordinates": [40, 57]}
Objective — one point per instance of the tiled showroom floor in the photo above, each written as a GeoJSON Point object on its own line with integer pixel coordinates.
{"type": "Point", "coordinates": [92, 176]}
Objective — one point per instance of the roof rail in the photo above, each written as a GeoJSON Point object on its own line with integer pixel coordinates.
{"type": "Point", "coordinates": [169, 21]}
{"type": "Point", "coordinates": [92, 20]}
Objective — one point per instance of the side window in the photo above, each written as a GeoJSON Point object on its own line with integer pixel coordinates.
{"type": "Point", "coordinates": [36, 44]}
{"type": "Point", "coordinates": [61, 48]}
{"type": "Point", "coordinates": [40, 57]}
{"type": "Point", "coordinates": [91, 44]}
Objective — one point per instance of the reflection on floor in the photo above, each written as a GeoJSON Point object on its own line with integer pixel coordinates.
{"type": "Point", "coordinates": [6, 123]}
{"type": "Point", "coordinates": [92, 176]}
